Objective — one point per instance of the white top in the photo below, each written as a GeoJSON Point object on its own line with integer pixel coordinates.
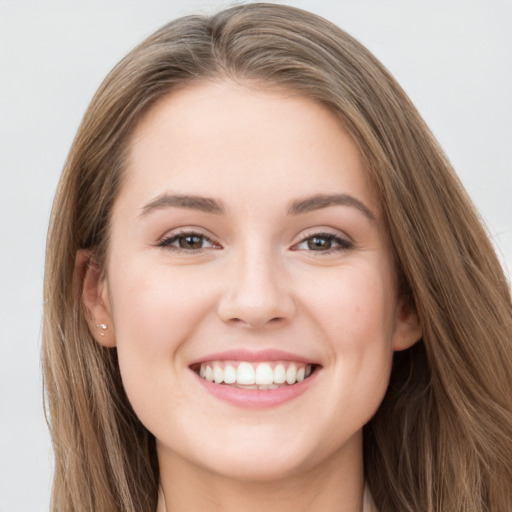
{"type": "Point", "coordinates": [368, 504]}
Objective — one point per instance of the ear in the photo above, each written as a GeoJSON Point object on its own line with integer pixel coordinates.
{"type": "Point", "coordinates": [95, 298]}
{"type": "Point", "coordinates": [407, 325]}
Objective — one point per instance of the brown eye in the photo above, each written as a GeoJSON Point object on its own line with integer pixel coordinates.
{"type": "Point", "coordinates": [324, 243]}
{"type": "Point", "coordinates": [191, 241]}
{"type": "Point", "coordinates": [188, 242]}
{"type": "Point", "coordinates": [319, 243]}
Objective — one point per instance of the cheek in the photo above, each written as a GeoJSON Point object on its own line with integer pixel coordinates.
{"type": "Point", "coordinates": [155, 310]}
{"type": "Point", "coordinates": [354, 311]}
{"type": "Point", "coordinates": [154, 299]}
{"type": "Point", "coordinates": [355, 306]}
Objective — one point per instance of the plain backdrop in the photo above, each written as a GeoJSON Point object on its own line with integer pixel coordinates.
{"type": "Point", "coordinates": [453, 57]}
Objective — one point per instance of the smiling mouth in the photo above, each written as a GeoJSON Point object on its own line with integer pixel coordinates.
{"type": "Point", "coordinates": [246, 375]}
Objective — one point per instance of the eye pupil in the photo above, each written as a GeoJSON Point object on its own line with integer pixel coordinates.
{"type": "Point", "coordinates": [191, 242]}
{"type": "Point", "coordinates": [317, 243]}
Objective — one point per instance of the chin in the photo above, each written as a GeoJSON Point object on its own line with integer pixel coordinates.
{"type": "Point", "coordinates": [259, 467]}
{"type": "Point", "coordinates": [248, 453]}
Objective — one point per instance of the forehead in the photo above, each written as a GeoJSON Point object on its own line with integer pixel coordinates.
{"type": "Point", "coordinates": [216, 138]}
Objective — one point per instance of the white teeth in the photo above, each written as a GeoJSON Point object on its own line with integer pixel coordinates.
{"type": "Point", "coordinates": [245, 374]}
{"type": "Point", "coordinates": [253, 375]}
{"type": "Point", "coordinates": [291, 374]}
{"type": "Point", "coordinates": [229, 374]}
{"type": "Point", "coordinates": [264, 374]}
{"type": "Point", "coordinates": [218, 374]}
{"type": "Point", "coordinates": [279, 374]}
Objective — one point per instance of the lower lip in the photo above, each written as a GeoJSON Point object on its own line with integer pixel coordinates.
{"type": "Point", "coordinates": [257, 398]}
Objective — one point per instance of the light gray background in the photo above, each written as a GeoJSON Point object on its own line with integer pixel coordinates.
{"type": "Point", "coordinates": [453, 57]}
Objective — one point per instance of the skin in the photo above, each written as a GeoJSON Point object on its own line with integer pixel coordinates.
{"type": "Point", "coordinates": [256, 283]}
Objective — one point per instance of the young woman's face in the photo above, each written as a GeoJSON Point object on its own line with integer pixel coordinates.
{"type": "Point", "coordinates": [249, 286]}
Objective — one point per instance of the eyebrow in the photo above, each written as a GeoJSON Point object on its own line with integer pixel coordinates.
{"type": "Point", "coordinates": [190, 202]}
{"type": "Point", "coordinates": [297, 207]}
{"type": "Point", "coordinates": [319, 201]}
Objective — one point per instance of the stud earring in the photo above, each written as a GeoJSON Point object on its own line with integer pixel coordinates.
{"type": "Point", "coordinates": [103, 327]}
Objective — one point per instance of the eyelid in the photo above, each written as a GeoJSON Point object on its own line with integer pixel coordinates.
{"type": "Point", "coordinates": [344, 242]}
{"type": "Point", "coordinates": [325, 231]}
{"type": "Point", "coordinates": [170, 236]}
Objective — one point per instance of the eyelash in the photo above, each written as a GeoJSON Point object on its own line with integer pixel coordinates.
{"type": "Point", "coordinates": [166, 242]}
{"type": "Point", "coordinates": [342, 243]}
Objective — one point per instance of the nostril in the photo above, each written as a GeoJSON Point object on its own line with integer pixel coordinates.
{"type": "Point", "coordinates": [255, 303]}
{"type": "Point", "coordinates": [256, 322]}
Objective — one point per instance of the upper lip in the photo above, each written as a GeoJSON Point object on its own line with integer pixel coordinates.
{"type": "Point", "coordinates": [253, 356]}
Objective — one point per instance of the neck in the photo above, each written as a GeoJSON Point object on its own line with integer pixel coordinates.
{"type": "Point", "coordinates": [334, 485]}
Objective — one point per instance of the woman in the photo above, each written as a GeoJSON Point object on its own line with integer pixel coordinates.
{"type": "Point", "coordinates": [265, 286]}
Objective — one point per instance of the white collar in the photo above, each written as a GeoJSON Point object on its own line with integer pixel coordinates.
{"type": "Point", "coordinates": [368, 504]}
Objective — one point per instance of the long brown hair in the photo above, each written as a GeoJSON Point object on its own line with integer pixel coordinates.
{"type": "Point", "coordinates": [442, 438]}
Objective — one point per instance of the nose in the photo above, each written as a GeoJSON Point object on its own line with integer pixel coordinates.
{"type": "Point", "coordinates": [257, 293]}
